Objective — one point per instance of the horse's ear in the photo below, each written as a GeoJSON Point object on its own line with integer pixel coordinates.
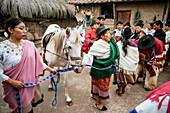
{"type": "Point", "coordinates": [80, 29]}
{"type": "Point", "coordinates": [67, 31]}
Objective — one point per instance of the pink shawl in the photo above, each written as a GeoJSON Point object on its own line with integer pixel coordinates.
{"type": "Point", "coordinates": [27, 70]}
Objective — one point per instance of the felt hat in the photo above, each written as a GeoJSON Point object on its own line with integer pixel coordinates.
{"type": "Point", "coordinates": [146, 41]}
{"type": "Point", "coordinates": [127, 32]}
{"type": "Point", "coordinates": [101, 29]}
{"type": "Point", "coordinates": [101, 17]}
{"type": "Point", "coordinates": [93, 22]}
{"type": "Point", "coordinates": [140, 23]}
{"type": "Point", "coordinates": [127, 24]}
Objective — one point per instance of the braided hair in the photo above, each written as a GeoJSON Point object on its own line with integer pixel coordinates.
{"type": "Point", "coordinates": [126, 35]}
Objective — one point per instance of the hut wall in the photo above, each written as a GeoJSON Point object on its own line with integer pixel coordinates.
{"type": "Point", "coordinates": [39, 27]}
{"type": "Point", "coordinates": [147, 11]}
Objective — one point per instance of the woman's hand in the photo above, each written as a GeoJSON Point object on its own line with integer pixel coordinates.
{"type": "Point", "coordinates": [15, 83]}
{"type": "Point", "coordinates": [51, 70]}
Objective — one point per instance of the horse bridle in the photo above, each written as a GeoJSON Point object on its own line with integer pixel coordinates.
{"type": "Point", "coordinates": [77, 60]}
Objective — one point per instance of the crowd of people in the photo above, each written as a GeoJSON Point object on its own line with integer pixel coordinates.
{"type": "Point", "coordinates": [138, 54]}
{"type": "Point", "coordinates": [125, 54]}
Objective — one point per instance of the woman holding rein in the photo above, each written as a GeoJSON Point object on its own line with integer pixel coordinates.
{"type": "Point", "coordinates": [20, 62]}
{"type": "Point", "coordinates": [103, 54]}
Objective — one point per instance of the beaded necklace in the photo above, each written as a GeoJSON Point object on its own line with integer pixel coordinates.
{"type": "Point", "coordinates": [20, 43]}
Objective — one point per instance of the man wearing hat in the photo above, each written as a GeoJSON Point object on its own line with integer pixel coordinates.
{"type": "Point", "coordinates": [102, 19]}
{"type": "Point", "coordinates": [103, 55]}
{"type": "Point", "coordinates": [138, 32]}
{"type": "Point", "coordinates": [159, 33]}
{"type": "Point", "coordinates": [118, 31]}
{"type": "Point", "coordinates": [167, 42]}
{"type": "Point", "coordinates": [155, 52]}
{"type": "Point", "coordinates": [90, 37]}
{"type": "Point", "coordinates": [127, 25]}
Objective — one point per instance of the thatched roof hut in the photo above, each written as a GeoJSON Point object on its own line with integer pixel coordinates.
{"type": "Point", "coordinates": [38, 14]}
{"type": "Point", "coordinates": [37, 8]}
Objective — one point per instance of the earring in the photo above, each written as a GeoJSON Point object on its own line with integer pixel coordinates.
{"type": "Point", "coordinates": [11, 32]}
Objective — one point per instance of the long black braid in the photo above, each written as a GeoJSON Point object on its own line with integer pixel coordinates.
{"type": "Point", "coordinates": [125, 42]}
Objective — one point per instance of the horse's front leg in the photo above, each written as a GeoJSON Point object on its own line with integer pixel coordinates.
{"type": "Point", "coordinates": [68, 99]}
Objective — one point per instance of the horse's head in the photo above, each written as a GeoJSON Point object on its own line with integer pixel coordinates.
{"type": "Point", "coordinates": [73, 48]}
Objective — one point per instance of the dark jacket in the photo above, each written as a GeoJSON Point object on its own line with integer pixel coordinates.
{"type": "Point", "coordinates": [160, 34]}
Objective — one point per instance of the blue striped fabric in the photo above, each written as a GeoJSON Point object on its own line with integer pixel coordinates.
{"type": "Point", "coordinates": [17, 96]}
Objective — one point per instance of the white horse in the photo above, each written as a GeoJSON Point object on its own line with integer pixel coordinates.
{"type": "Point", "coordinates": [64, 45]}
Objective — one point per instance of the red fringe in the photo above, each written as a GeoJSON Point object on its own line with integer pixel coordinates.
{"type": "Point", "coordinates": [168, 110]}
{"type": "Point", "coordinates": [160, 103]}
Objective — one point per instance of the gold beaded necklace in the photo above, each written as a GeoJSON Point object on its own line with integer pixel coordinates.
{"type": "Point", "coordinates": [20, 43]}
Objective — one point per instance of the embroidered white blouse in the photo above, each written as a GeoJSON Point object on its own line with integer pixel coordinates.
{"type": "Point", "coordinates": [10, 55]}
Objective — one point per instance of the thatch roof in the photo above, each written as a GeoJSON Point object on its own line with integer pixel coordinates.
{"type": "Point", "coordinates": [101, 1]}
{"type": "Point", "coordinates": [37, 8]}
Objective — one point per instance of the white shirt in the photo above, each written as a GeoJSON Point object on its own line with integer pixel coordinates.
{"type": "Point", "coordinates": [151, 32]}
{"type": "Point", "coordinates": [167, 38]}
{"type": "Point", "coordinates": [118, 32]}
{"type": "Point", "coordinates": [10, 55]}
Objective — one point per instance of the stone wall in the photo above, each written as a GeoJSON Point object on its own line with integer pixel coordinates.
{"type": "Point", "coordinates": [39, 27]}
{"type": "Point", "coordinates": [148, 10]}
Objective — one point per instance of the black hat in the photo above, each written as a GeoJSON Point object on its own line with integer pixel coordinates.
{"type": "Point", "coordinates": [101, 17]}
{"type": "Point", "coordinates": [93, 22]}
{"type": "Point", "coordinates": [101, 29]}
{"type": "Point", "coordinates": [127, 24]}
{"type": "Point", "coordinates": [127, 32]}
{"type": "Point", "coordinates": [146, 41]}
{"type": "Point", "coordinates": [140, 23]}
{"type": "Point", "coordinates": [167, 23]}
{"type": "Point", "coordinates": [119, 22]}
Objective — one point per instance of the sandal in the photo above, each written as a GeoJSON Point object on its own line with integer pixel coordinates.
{"type": "Point", "coordinates": [103, 108]}
{"type": "Point", "coordinates": [118, 92]}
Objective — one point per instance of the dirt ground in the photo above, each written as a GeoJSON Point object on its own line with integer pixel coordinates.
{"type": "Point", "coordinates": [79, 89]}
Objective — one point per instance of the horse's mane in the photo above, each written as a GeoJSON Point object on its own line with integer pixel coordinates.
{"type": "Point", "coordinates": [58, 39]}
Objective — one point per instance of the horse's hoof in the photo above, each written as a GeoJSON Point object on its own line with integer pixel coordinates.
{"type": "Point", "coordinates": [70, 103]}
{"type": "Point", "coordinates": [50, 89]}
{"type": "Point", "coordinates": [147, 89]}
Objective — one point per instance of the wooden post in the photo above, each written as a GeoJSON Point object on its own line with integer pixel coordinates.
{"type": "Point", "coordinates": [114, 14]}
{"type": "Point", "coordinates": [166, 13]}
